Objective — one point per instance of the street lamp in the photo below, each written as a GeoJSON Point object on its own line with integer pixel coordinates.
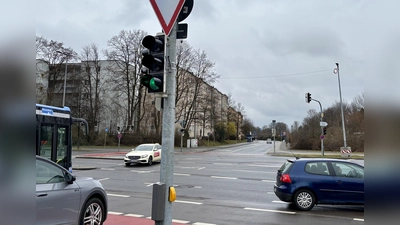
{"type": "Point", "coordinates": [336, 70]}
{"type": "Point", "coordinates": [65, 75]}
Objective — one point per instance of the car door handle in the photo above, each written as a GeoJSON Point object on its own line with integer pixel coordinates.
{"type": "Point", "coordinates": [41, 195]}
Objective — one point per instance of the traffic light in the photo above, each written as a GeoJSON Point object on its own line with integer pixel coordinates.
{"type": "Point", "coordinates": [308, 97]}
{"type": "Point", "coordinates": [324, 130]}
{"type": "Point", "coordinates": [153, 63]}
{"type": "Point", "coordinates": [118, 128]}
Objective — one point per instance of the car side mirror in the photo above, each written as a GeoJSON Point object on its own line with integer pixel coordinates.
{"type": "Point", "coordinates": [70, 178]}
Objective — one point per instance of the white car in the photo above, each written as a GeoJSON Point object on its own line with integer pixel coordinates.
{"type": "Point", "coordinates": [269, 141]}
{"type": "Point", "coordinates": [145, 154]}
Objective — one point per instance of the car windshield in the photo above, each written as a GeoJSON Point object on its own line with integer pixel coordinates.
{"type": "Point", "coordinates": [144, 148]}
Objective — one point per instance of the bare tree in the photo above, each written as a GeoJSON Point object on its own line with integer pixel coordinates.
{"type": "Point", "coordinates": [93, 84]}
{"type": "Point", "coordinates": [124, 50]}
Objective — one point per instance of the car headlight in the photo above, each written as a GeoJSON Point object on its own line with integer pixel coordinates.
{"type": "Point", "coordinates": [144, 156]}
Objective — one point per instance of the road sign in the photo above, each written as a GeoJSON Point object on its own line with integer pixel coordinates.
{"type": "Point", "coordinates": [167, 12]}
{"type": "Point", "coordinates": [106, 130]}
{"type": "Point", "coordinates": [323, 124]}
{"type": "Point", "coordinates": [322, 137]}
{"type": "Point", "coordinates": [119, 136]}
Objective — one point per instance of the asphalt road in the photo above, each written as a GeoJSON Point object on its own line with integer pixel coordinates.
{"type": "Point", "coordinates": [226, 186]}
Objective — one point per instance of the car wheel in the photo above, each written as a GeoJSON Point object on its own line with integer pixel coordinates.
{"type": "Point", "coordinates": [92, 213]}
{"type": "Point", "coordinates": [150, 161]}
{"type": "Point", "coordinates": [304, 200]}
{"type": "Point", "coordinates": [127, 164]}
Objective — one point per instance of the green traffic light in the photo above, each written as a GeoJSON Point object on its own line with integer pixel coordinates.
{"type": "Point", "coordinates": [154, 84]}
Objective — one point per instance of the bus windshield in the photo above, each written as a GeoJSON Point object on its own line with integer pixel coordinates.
{"type": "Point", "coordinates": [54, 133]}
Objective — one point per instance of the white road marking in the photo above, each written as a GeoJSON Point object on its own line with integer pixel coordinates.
{"type": "Point", "coordinates": [103, 179]}
{"type": "Point", "coordinates": [115, 213]}
{"type": "Point", "coordinates": [134, 215]}
{"type": "Point", "coordinates": [180, 221]}
{"type": "Point", "coordinates": [181, 174]}
{"type": "Point", "coordinates": [187, 202]}
{"type": "Point", "coordinates": [142, 171]}
{"type": "Point", "coordinates": [281, 202]}
{"type": "Point", "coordinates": [270, 193]}
{"type": "Point", "coordinates": [361, 220]}
{"type": "Point", "coordinates": [122, 196]}
{"type": "Point", "coordinates": [271, 181]}
{"type": "Point", "coordinates": [201, 168]}
{"type": "Point", "coordinates": [231, 178]}
{"type": "Point", "coordinates": [268, 210]}
{"type": "Point", "coordinates": [149, 184]}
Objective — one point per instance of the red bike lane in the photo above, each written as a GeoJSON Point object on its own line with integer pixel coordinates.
{"type": "Point", "coordinates": [129, 220]}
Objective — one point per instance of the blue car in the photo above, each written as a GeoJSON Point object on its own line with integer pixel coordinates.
{"type": "Point", "coordinates": [309, 182]}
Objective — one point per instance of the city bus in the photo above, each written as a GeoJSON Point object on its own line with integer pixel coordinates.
{"type": "Point", "coordinates": [54, 133]}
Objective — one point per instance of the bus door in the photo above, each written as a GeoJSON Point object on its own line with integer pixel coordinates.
{"type": "Point", "coordinates": [54, 143]}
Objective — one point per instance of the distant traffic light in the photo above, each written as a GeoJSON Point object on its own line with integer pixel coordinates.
{"type": "Point", "coordinates": [153, 63]}
{"type": "Point", "coordinates": [324, 130]}
{"type": "Point", "coordinates": [308, 97]}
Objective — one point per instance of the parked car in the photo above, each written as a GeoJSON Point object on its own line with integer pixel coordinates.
{"type": "Point", "coordinates": [269, 141]}
{"type": "Point", "coordinates": [63, 198]}
{"type": "Point", "coordinates": [145, 154]}
{"type": "Point", "coordinates": [307, 182]}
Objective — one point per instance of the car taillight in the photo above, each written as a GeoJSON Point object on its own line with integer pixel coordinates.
{"type": "Point", "coordinates": [285, 178]}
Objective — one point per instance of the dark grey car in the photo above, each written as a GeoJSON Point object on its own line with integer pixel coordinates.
{"type": "Point", "coordinates": [63, 198]}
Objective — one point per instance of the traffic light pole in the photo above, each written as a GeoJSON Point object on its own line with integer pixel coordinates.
{"type": "Point", "coordinates": [168, 127]}
{"type": "Point", "coordinates": [322, 128]}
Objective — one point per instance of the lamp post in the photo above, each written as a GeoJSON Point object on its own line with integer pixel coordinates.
{"type": "Point", "coordinates": [336, 70]}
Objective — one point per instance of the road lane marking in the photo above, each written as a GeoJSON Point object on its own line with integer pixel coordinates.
{"type": "Point", "coordinates": [281, 202]}
{"type": "Point", "coordinates": [268, 210]}
{"type": "Point", "coordinates": [181, 174]}
{"type": "Point", "coordinates": [230, 178]}
{"type": "Point", "coordinates": [149, 184]}
{"type": "Point", "coordinates": [115, 213]}
{"type": "Point", "coordinates": [271, 193]}
{"type": "Point", "coordinates": [201, 168]}
{"type": "Point", "coordinates": [142, 171]}
{"type": "Point", "coordinates": [271, 181]}
{"type": "Point", "coordinates": [180, 221]}
{"type": "Point", "coordinates": [187, 202]}
{"type": "Point", "coordinates": [361, 220]}
{"type": "Point", "coordinates": [122, 196]}
{"type": "Point", "coordinates": [134, 215]}
{"type": "Point", "coordinates": [103, 179]}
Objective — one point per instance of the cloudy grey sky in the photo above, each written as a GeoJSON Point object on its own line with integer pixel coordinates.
{"type": "Point", "coordinates": [269, 53]}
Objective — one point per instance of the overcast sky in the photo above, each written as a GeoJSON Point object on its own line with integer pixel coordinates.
{"type": "Point", "coordinates": [269, 53]}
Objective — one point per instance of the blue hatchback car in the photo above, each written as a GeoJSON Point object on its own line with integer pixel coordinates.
{"type": "Point", "coordinates": [307, 182]}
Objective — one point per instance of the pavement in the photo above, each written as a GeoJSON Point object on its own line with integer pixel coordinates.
{"type": "Point", "coordinates": [114, 153]}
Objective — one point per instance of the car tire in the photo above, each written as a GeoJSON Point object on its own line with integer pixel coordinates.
{"type": "Point", "coordinates": [127, 164]}
{"type": "Point", "coordinates": [92, 213]}
{"type": "Point", "coordinates": [304, 200]}
{"type": "Point", "coordinates": [150, 161]}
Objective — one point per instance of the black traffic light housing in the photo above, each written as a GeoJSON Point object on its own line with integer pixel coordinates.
{"type": "Point", "coordinates": [153, 63]}
{"type": "Point", "coordinates": [324, 129]}
{"type": "Point", "coordinates": [308, 97]}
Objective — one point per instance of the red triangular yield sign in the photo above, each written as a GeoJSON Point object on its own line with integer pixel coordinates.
{"type": "Point", "coordinates": [167, 12]}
